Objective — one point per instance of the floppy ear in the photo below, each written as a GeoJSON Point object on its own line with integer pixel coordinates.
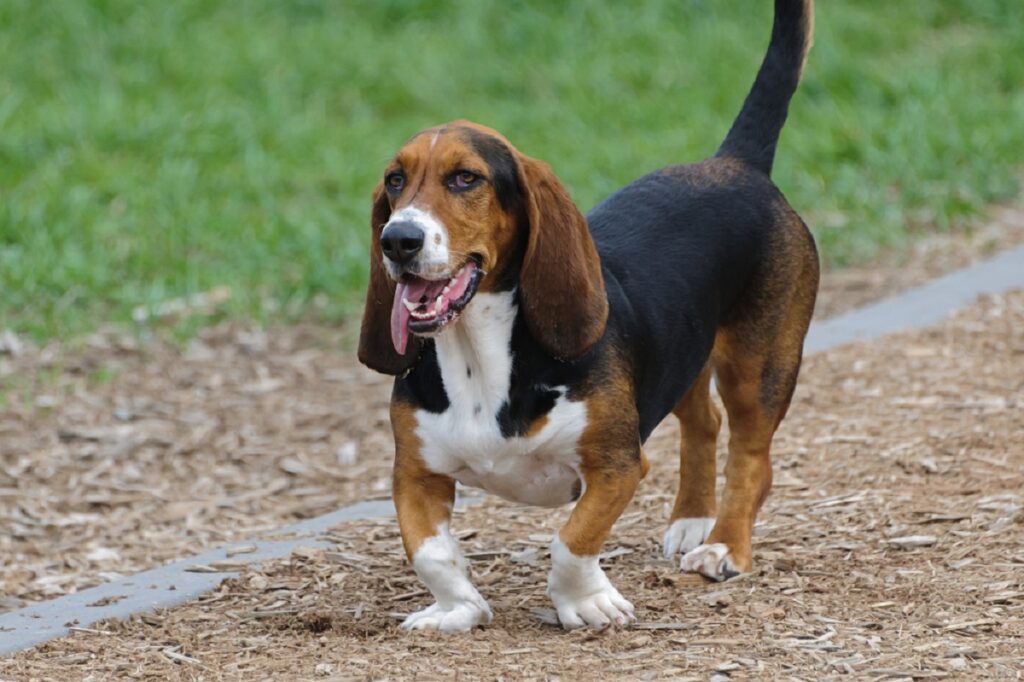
{"type": "Point", "coordinates": [376, 350]}
{"type": "Point", "coordinates": [562, 290]}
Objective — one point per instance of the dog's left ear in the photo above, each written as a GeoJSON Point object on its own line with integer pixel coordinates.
{"type": "Point", "coordinates": [376, 349]}
{"type": "Point", "coordinates": [561, 286]}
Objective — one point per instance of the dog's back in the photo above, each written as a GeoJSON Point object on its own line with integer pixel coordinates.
{"type": "Point", "coordinates": [685, 249]}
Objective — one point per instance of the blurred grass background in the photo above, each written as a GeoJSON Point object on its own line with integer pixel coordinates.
{"type": "Point", "coordinates": [149, 150]}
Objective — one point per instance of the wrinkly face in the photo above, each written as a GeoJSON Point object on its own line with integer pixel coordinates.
{"type": "Point", "coordinates": [454, 216]}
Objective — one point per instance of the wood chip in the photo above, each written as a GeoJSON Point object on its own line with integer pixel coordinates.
{"type": "Point", "coordinates": [173, 654]}
{"type": "Point", "coordinates": [911, 541]}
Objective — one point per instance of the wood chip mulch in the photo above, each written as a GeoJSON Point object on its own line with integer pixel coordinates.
{"type": "Point", "coordinates": [891, 547]}
{"type": "Point", "coordinates": [116, 455]}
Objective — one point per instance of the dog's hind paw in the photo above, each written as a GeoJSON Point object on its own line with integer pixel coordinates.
{"type": "Point", "coordinates": [685, 534]}
{"type": "Point", "coordinates": [713, 561]}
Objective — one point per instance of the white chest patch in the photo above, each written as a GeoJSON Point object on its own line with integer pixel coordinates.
{"type": "Point", "coordinates": [465, 441]}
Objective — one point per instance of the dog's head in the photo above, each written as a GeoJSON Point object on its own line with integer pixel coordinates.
{"type": "Point", "coordinates": [460, 211]}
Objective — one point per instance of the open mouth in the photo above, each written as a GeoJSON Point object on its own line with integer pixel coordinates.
{"type": "Point", "coordinates": [422, 305]}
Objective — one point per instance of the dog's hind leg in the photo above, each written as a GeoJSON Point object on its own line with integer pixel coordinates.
{"type": "Point", "coordinates": [756, 359]}
{"type": "Point", "coordinates": [693, 514]}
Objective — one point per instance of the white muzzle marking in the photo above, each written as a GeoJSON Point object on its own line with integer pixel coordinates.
{"type": "Point", "coordinates": [432, 261]}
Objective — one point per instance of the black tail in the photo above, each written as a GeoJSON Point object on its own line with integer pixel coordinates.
{"type": "Point", "coordinates": [755, 131]}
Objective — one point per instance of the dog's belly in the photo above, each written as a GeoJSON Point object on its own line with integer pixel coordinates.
{"type": "Point", "coordinates": [539, 469]}
{"type": "Point", "coordinates": [533, 482]}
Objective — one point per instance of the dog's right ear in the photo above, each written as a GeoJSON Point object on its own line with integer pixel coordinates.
{"type": "Point", "coordinates": [376, 349]}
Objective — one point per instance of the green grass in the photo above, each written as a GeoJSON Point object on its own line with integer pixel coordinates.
{"type": "Point", "coordinates": [149, 150]}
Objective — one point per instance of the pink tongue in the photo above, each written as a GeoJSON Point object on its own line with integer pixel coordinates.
{"type": "Point", "coordinates": [410, 291]}
{"type": "Point", "coordinates": [416, 290]}
{"type": "Point", "coordinates": [400, 320]}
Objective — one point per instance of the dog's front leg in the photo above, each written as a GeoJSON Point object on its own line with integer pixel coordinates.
{"type": "Point", "coordinates": [423, 501]}
{"type": "Point", "coordinates": [580, 590]}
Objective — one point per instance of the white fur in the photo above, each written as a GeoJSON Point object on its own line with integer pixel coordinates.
{"type": "Point", "coordinates": [581, 591]}
{"type": "Point", "coordinates": [685, 534]}
{"type": "Point", "coordinates": [442, 568]}
{"type": "Point", "coordinates": [432, 261]}
{"type": "Point", "coordinates": [712, 561]}
{"type": "Point", "coordinates": [465, 441]}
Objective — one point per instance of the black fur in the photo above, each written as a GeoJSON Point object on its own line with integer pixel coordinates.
{"type": "Point", "coordinates": [535, 375]}
{"type": "Point", "coordinates": [755, 132]}
{"type": "Point", "coordinates": [502, 166]}
{"type": "Point", "coordinates": [423, 386]}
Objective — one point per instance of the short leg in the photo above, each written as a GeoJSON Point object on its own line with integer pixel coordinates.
{"type": "Point", "coordinates": [748, 476]}
{"type": "Point", "coordinates": [756, 390]}
{"type": "Point", "coordinates": [423, 501]}
{"type": "Point", "coordinates": [581, 592]}
{"type": "Point", "coordinates": [693, 514]}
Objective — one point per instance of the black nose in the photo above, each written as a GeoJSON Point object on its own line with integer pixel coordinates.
{"type": "Point", "coordinates": [401, 241]}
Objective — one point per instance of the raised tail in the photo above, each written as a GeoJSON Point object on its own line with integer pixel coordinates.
{"type": "Point", "coordinates": [755, 131]}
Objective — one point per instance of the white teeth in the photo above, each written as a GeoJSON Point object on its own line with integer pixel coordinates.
{"type": "Point", "coordinates": [446, 289]}
{"type": "Point", "coordinates": [414, 308]}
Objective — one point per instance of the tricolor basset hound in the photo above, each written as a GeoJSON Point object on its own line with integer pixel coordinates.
{"type": "Point", "coordinates": [535, 349]}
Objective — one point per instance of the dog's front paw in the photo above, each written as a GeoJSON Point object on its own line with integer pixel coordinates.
{"type": "Point", "coordinates": [597, 609]}
{"type": "Point", "coordinates": [714, 561]}
{"type": "Point", "coordinates": [582, 593]}
{"type": "Point", "coordinates": [686, 534]}
{"type": "Point", "coordinates": [462, 616]}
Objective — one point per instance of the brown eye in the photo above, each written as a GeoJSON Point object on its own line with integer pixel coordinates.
{"type": "Point", "coordinates": [464, 180]}
{"type": "Point", "coordinates": [395, 181]}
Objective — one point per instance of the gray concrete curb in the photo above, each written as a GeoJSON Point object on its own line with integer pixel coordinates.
{"type": "Point", "coordinates": [164, 586]}
{"type": "Point", "coordinates": [174, 583]}
{"type": "Point", "coordinates": [923, 306]}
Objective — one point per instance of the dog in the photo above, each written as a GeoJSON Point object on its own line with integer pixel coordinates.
{"type": "Point", "coordinates": [534, 350]}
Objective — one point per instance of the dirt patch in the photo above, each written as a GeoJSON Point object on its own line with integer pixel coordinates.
{"type": "Point", "coordinates": [891, 547]}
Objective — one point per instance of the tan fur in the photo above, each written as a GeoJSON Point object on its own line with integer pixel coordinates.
{"type": "Point", "coordinates": [809, 32]}
{"type": "Point", "coordinates": [612, 465]}
{"type": "Point", "coordinates": [423, 499]}
{"type": "Point", "coordinates": [699, 422]}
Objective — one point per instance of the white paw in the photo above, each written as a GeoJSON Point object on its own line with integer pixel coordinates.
{"type": "Point", "coordinates": [685, 534]}
{"type": "Point", "coordinates": [712, 561]}
{"type": "Point", "coordinates": [597, 610]}
{"type": "Point", "coordinates": [461, 616]}
{"type": "Point", "coordinates": [582, 593]}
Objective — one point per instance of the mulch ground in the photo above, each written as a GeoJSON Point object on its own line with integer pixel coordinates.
{"type": "Point", "coordinates": [119, 455]}
{"type": "Point", "coordinates": [892, 545]}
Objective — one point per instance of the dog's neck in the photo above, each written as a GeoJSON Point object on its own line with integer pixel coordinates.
{"type": "Point", "coordinates": [475, 355]}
